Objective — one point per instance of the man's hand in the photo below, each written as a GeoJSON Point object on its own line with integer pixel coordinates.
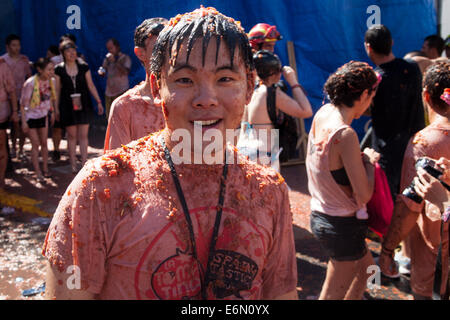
{"type": "Point", "coordinates": [431, 189]}
{"type": "Point", "coordinates": [110, 57]}
{"type": "Point", "coordinates": [444, 164]}
{"type": "Point", "coordinates": [387, 265]}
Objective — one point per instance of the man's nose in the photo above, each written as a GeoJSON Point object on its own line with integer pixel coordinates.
{"type": "Point", "coordinates": [206, 96]}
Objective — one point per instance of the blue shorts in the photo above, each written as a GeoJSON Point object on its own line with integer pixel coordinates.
{"type": "Point", "coordinates": [342, 238]}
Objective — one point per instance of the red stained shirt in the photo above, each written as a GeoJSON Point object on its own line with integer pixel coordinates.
{"type": "Point", "coordinates": [21, 70]}
{"type": "Point", "coordinates": [121, 222]}
{"type": "Point", "coordinates": [6, 86]}
{"type": "Point", "coordinates": [132, 117]}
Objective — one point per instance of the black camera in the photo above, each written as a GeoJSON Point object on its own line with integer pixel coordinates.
{"type": "Point", "coordinates": [430, 167]}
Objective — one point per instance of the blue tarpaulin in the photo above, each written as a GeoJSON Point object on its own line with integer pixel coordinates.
{"type": "Point", "coordinates": [326, 33]}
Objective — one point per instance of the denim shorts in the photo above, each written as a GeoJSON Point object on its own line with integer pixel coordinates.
{"type": "Point", "coordinates": [342, 238]}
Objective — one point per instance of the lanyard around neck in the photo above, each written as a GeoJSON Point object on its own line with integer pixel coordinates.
{"type": "Point", "coordinates": [188, 217]}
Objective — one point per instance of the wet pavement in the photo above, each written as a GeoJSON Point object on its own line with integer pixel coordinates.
{"type": "Point", "coordinates": [22, 232]}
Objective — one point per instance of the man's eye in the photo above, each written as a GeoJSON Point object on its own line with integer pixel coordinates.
{"type": "Point", "coordinates": [184, 80]}
{"type": "Point", "coordinates": [226, 79]}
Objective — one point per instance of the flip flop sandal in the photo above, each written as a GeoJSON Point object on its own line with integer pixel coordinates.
{"type": "Point", "coordinates": [396, 275]}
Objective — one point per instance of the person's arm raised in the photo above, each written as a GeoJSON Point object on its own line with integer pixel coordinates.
{"type": "Point", "coordinates": [299, 105]}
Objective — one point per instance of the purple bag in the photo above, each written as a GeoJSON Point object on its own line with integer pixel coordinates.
{"type": "Point", "coordinates": [380, 207]}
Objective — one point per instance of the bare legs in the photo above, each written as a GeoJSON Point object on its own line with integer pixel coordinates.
{"type": "Point", "coordinates": [38, 139]}
{"type": "Point", "coordinates": [346, 279]}
{"type": "Point", "coordinates": [3, 157]}
{"type": "Point", "coordinates": [17, 133]}
{"type": "Point", "coordinates": [80, 133]}
{"type": "Point", "coordinates": [56, 138]}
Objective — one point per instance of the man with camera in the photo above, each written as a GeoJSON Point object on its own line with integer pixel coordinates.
{"type": "Point", "coordinates": [424, 221]}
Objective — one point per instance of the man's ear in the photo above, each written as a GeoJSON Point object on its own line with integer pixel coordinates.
{"type": "Point", "coordinates": [426, 96]}
{"type": "Point", "coordinates": [155, 89]}
{"type": "Point", "coordinates": [140, 53]}
{"type": "Point", "coordinates": [251, 76]}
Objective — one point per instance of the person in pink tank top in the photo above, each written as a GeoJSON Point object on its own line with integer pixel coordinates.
{"type": "Point", "coordinates": [341, 181]}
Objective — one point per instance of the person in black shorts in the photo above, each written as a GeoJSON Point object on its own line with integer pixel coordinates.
{"type": "Point", "coordinates": [37, 100]}
{"type": "Point", "coordinates": [74, 81]}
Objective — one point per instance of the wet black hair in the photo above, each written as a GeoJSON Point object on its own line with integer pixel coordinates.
{"type": "Point", "coordinates": [435, 81]}
{"type": "Point", "coordinates": [266, 64]}
{"type": "Point", "coordinates": [379, 38]}
{"type": "Point", "coordinates": [346, 85]}
{"type": "Point", "coordinates": [205, 23]}
{"type": "Point", "coordinates": [41, 63]}
{"type": "Point", "coordinates": [148, 27]}
{"type": "Point", "coordinates": [10, 38]}
{"type": "Point", "coordinates": [435, 41]}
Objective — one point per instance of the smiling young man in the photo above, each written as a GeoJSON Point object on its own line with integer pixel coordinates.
{"type": "Point", "coordinates": [137, 226]}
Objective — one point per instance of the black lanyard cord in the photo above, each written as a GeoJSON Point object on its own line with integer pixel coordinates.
{"type": "Point", "coordinates": [188, 217]}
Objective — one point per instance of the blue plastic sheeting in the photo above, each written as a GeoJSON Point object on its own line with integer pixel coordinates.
{"type": "Point", "coordinates": [326, 33]}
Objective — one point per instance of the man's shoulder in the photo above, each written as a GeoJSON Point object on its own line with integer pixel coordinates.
{"type": "Point", "coordinates": [116, 165]}
{"type": "Point", "coordinates": [432, 136]}
{"type": "Point", "coordinates": [131, 96]}
{"type": "Point", "coordinates": [24, 58]}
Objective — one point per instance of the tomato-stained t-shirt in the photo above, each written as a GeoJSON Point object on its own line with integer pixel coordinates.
{"type": "Point", "coordinates": [132, 117]}
{"type": "Point", "coordinates": [120, 221]}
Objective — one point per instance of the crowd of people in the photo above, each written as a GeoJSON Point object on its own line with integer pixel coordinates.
{"type": "Point", "coordinates": [139, 225]}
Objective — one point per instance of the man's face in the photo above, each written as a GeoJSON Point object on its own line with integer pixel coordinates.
{"type": "Point", "coordinates": [269, 46]}
{"type": "Point", "coordinates": [214, 94]}
{"type": "Point", "coordinates": [427, 50]}
{"type": "Point", "coordinates": [149, 45]}
{"type": "Point", "coordinates": [112, 48]}
{"type": "Point", "coordinates": [14, 47]}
